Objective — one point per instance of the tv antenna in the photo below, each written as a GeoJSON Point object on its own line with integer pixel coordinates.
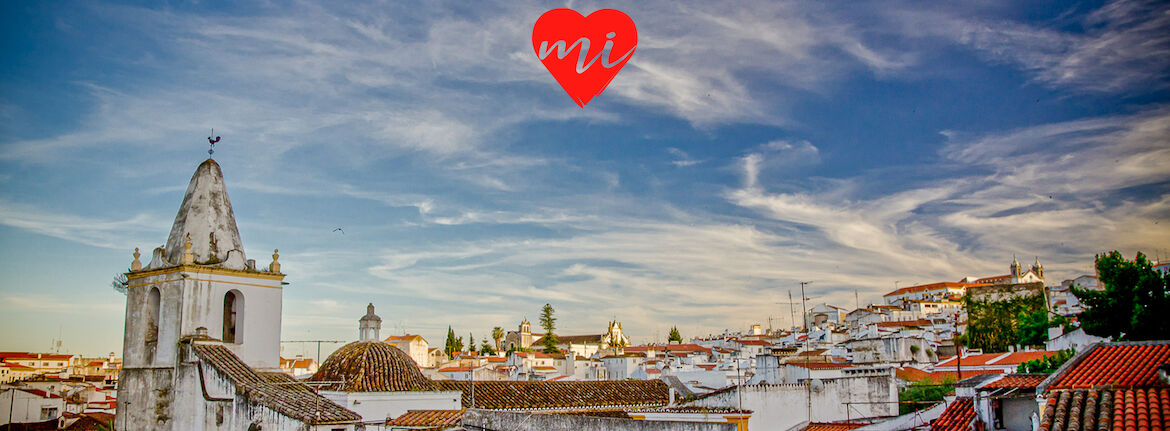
{"type": "Point", "coordinates": [212, 141]}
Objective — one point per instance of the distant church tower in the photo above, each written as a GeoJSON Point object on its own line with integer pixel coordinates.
{"type": "Point", "coordinates": [370, 325]}
{"type": "Point", "coordinates": [525, 334]}
{"type": "Point", "coordinates": [199, 286]}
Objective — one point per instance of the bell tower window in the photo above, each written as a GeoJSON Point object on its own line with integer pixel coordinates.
{"type": "Point", "coordinates": [233, 316]}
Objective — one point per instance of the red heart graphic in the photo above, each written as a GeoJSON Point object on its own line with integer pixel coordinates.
{"type": "Point", "coordinates": [584, 53]}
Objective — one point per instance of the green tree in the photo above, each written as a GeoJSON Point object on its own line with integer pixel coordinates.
{"type": "Point", "coordinates": [923, 394]}
{"type": "Point", "coordinates": [498, 336]}
{"type": "Point", "coordinates": [453, 344]}
{"type": "Point", "coordinates": [675, 336]}
{"type": "Point", "coordinates": [1134, 304]}
{"type": "Point", "coordinates": [486, 348]}
{"type": "Point", "coordinates": [1032, 327]}
{"type": "Point", "coordinates": [994, 326]}
{"type": "Point", "coordinates": [549, 323]}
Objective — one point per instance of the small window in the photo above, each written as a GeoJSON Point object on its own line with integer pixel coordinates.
{"type": "Point", "coordinates": [48, 413]}
{"type": "Point", "coordinates": [153, 300]}
{"type": "Point", "coordinates": [233, 304]}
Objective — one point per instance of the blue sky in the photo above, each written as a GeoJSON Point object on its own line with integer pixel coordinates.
{"type": "Point", "coordinates": [745, 147]}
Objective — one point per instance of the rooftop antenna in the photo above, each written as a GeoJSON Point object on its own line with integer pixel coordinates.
{"type": "Point", "coordinates": [211, 141]}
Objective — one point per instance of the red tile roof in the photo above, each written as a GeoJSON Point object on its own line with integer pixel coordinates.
{"type": "Point", "coordinates": [408, 337]}
{"type": "Point", "coordinates": [912, 374]}
{"type": "Point", "coordinates": [932, 286]}
{"type": "Point", "coordinates": [565, 395]}
{"type": "Point", "coordinates": [16, 366]}
{"type": "Point", "coordinates": [818, 365]}
{"type": "Point", "coordinates": [1023, 381]}
{"type": "Point", "coordinates": [40, 393]}
{"type": "Point", "coordinates": [706, 366]}
{"type": "Point", "coordinates": [993, 359]}
{"type": "Point", "coordinates": [753, 342]}
{"type": "Point", "coordinates": [814, 352]}
{"type": "Point", "coordinates": [674, 348]}
{"type": "Point", "coordinates": [957, 417]}
{"type": "Point", "coordinates": [905, 323]}
{"type": "Point", "coordinates": [1131, 409]}
{"type": "Point", "coordinates": [417, 418]}
{"type": "Point", "coordinates": [455, 369]}
{"type": "Point", "coordinates": [1119, 365]}
{"type": "Point", "coordinates": [832, 426]}
{"type": "Point", "coordinates": [537, 355]}
{"type": "Point", "coordinates": [38, 356]}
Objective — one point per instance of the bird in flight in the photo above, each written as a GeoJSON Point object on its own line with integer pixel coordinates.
{"type": "Point", "coordinates": [339, 230]}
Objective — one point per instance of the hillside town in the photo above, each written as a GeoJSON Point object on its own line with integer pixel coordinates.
{"type": "Point", "coordinates": [203, 337]}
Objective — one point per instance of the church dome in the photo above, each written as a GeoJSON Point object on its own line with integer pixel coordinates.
{"type": "Point", "coordinates": [372, 366]}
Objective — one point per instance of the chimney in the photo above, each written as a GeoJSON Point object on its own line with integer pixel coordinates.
{"type": "Point", "coordinates": [671, 397]}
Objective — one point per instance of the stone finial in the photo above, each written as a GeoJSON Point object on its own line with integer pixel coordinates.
{"type": "Point", "coordinates": [275, 265]}
{"type": "Point", "coordinates": [136, 264]}
{"type": "Point", "coordinates": [188, 256]}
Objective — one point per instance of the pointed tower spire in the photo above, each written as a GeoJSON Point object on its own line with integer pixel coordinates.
{"type": "Point", "coordinates": [206, 217]}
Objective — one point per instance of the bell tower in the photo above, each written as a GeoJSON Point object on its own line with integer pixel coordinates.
{"type": "Point", "coordinates": [370, 325]}
{"type": "Point", "coordinates": [199, 286]}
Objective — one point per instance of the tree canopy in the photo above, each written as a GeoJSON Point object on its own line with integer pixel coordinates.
{"type": "Point", "coordinates": [994, 326]}
{"type": "Point", "coordinates": [675, 336]}
{"type": "Point", "coordinates": [549, 323]}
{"type": "Point", "coordinates": [453, 344]}
{"type": "Point", "coordinates": [1135, 303]}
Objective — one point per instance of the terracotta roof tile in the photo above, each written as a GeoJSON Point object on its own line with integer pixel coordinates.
{"type": "Point", "coordinates": [273, 390]}
{"type": "Point", "coordinates": [1023, 381]}
{"type": "Point", "coordinates": [1087, 409]}
{"type": "Point", "coordinates": [1100, 366]}
{"type": "Point", "coordinates": [422, 418]}
{"type": "Point", "coordinates": [371, 366]}
{"type": "Point", "coordinates": [818, 365]}
{"type": "Point", "coordinates": [832, 426]}
{"type": "Point", "coordinates": [957, 417]}
{"type": "Point", "coordinates": [905, 323]}
{"type": "Point", "coordinates": [912, 374]}
{"type": "Point", "coordinates": [526, 395]}
{"type": "Point", "coordinates": [931, 286]}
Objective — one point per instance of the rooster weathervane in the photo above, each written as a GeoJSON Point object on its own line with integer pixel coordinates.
{"type": "Point", "coordinates": [212, 141]}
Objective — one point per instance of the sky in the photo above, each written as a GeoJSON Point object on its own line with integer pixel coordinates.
{"type": "Point", "coordinates": [745, 147]}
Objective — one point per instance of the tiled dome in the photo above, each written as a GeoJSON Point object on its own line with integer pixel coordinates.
{"type": "Point", "coordinates": [372, 366]}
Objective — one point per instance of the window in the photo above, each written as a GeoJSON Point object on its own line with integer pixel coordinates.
{"type": "Point", "coordinates": [48, 413]}
{"type": "Point", "coordinates": [233, 303]}
{"type": "Point", "coordinates": [153, 300]}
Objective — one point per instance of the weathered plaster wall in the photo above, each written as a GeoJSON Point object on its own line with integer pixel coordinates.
{"type": "Point", "coordinates": [780, 407]}
{"type": "Point", "coordinates": [379, 406]}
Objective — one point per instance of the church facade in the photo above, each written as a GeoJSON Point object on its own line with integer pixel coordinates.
{"type": "Point", "coordinates": [581, 345]}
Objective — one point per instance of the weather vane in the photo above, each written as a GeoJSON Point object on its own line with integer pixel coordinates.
{"type": "Point", "coordinates": [211, 141]}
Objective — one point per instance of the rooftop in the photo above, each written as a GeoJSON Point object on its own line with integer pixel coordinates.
{"type": "Point", "coordinates": [932, 286]}
{"type": "Point", "coordinates": [528, 395]}
{"type": "Point", "coordinates": [423, 418]}
{"type": "Point", "coordinates": [1084, 409]}
{"type": "Point", "coordinates": [957, 417]}
{"type": "Point", "coordinates": [277, 391]}
{"type": "Point", "coordinates": [371, 366]}
{"type": "Point", "coordinates": [1098, 366]}
{"type": "Point", "coordinates": [1016, 381]}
